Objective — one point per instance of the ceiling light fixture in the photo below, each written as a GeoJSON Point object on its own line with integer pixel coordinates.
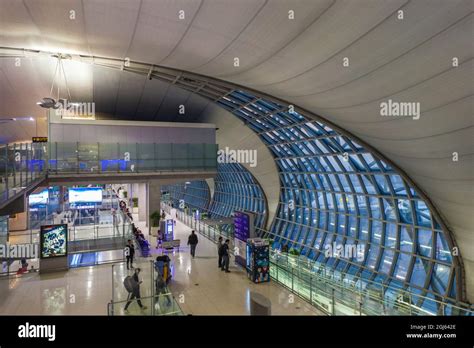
{"type": "Point", "coordinates": [50, 102]}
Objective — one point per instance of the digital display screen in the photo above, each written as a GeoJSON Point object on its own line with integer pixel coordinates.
{"type": "Point", "coordinates": [39, 198]}
{"type": "Point", "coordinates": [53, 241]}
{"type": "Point", "coordinates": [85, 195]}
{"type": "Point", "coordinates": [241, 234]}
{"type": "Point", "coordinates": [241, 226]}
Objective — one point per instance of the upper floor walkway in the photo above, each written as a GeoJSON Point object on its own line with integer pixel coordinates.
{"type": "Point", "coordinates": [24, 166]}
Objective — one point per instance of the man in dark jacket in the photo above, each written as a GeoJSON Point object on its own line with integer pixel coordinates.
{"type": "Point", "coordinates": [192, 242]}
{"type": "Point", "coordinates": [225, 256]}
{"type": "Point", "coordinates": [219, 251]}
{"type": "Point", "coordinates": [135, 293]}
{"type": "Point", "coordinates": [130, 253]}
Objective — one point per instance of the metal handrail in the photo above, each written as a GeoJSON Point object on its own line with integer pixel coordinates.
{"type": "Point", "coordinates": [24, 163]}
{"type": "Point", "coordinates": [168, 295]}
{"type": "Point", "coordinates": [462, 307]}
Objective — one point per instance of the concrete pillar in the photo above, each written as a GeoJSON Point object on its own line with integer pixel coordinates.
{"type": "Point", "coordinates": [154, 200]}
{"type": "Point", "coordinates": [259, 304]}
{"type": "Point", "coordinates": [133, 193]}
{"type": "Point", "coordinates": [142, 194]}
{"type": "Point", "coordinates": [62, 191]}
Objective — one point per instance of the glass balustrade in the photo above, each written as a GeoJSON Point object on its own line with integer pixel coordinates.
{"type": "Point", "coordinates": [333, 292]}
{"type": "Point", "coordinates": [20, 165]}
{"type": "Point", "coordinates": [3, 229]}
{"type": "Point", "coordinates": [95, 158]}
{"type": "Point", "coordinates": [157, 304]}
{"type": "Point", "coordinates": [23, 163]}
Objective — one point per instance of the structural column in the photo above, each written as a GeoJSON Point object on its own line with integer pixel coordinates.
{"type": "Point", "coordinates": [154, 199]}
{"type": "Point", "coordinates": [142, 194]}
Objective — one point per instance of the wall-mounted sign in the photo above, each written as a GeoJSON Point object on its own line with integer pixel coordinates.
{"type": "Point", "coordinates": [243, 230]}
{"type": "Point", "coordinates": [40, 198]}
{"type": "Point", "coordinates": [85, 195]}
{"type": "Point", "coordinates": [53, 241]}
{"type": "Point", "coordinates": [40, 139]}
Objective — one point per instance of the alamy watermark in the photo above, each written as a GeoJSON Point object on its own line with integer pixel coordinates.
{"type": "Point", "coordinates": [405, 109]}
{"type": "Point", "coordinates": [68, 110]}
{"type": "Point", "coordinates": [27, 251]}
{"type": "Point", "coordinates": [228, 155]}
{"type": "Point", "coordinates": [346, 251]}
{"type": "Point", "coordinates": [28, 330]}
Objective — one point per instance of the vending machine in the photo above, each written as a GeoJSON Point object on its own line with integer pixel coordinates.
{"type": "Point", "coordinates": [258, 260]}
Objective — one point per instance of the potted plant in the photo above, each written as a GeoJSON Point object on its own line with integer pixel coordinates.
{"type": "Point", "coordinates": [135, 202]}
{"type": "Point", "coordinates": [294, 252]}
{"type": "Point", "coordinates": [155, 218]}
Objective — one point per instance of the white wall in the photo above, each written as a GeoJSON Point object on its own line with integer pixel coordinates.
{"type": "Point", "coordinates": [234, 134]}
{"type": "Point", "coordinates": [112, 131]}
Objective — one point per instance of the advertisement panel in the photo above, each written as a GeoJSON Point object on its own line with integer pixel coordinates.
{"type": "Point", "coordinates": [85, 195]}
{"type": "Point", "coordinates": [53, 241]}
{"type": "Point", "coordinates": [39, 198]}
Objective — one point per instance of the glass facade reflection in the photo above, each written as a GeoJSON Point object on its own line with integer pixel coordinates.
{"type": "Point", "coordinates": [333, 190]}
{"type": "Point", "coordinates": [3, 229]}
{"type": "Point", "coordinates": [194, 194]}
{"type": "Point", "coordinates": [235, 188]}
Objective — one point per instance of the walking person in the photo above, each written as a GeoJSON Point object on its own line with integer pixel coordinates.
{"type": "Point", "coordinates": [192, 242]}
{"type": "Point", "coordinates": [225, 256]}
{"type": "Point", "coordinates": [132, 284]}
{"type": "Point", "coordinates": [220, 242]}
{"type": "Point", "coordinates": [115, 221]}
{"type": "Point", "coordinates": [161, 290]}
{"type": "Point", "coordinates": [130, 253]}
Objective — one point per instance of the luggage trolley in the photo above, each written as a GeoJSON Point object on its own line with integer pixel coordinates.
{"type": "Point", "coordinates": [163, 267]}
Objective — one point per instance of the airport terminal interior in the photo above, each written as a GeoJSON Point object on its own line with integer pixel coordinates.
{"type": "Point", "coordinates": [220, 157]}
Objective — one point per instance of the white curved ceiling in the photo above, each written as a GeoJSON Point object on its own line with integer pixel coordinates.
{"type": "Point", "coordinates": [299, 60]}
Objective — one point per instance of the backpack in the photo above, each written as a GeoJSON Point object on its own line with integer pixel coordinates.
{"type": "Point", "coordinates": [128, 283]}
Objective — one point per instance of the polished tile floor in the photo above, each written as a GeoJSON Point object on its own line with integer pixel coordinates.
{"type": "Point", "coordinates": [208, 290]}
{"type": "Point", "coordinates": [198, 285]}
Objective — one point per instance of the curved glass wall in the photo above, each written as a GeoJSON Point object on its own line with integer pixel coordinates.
{"type": "Point", "coordinates": [237, 189]}
{"type": "Point", "coordinates": [195, 194]}
{"type": "Point", "coordinates": [3, 229]}
{"type": "Point", "coordinates": [335, 193]}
